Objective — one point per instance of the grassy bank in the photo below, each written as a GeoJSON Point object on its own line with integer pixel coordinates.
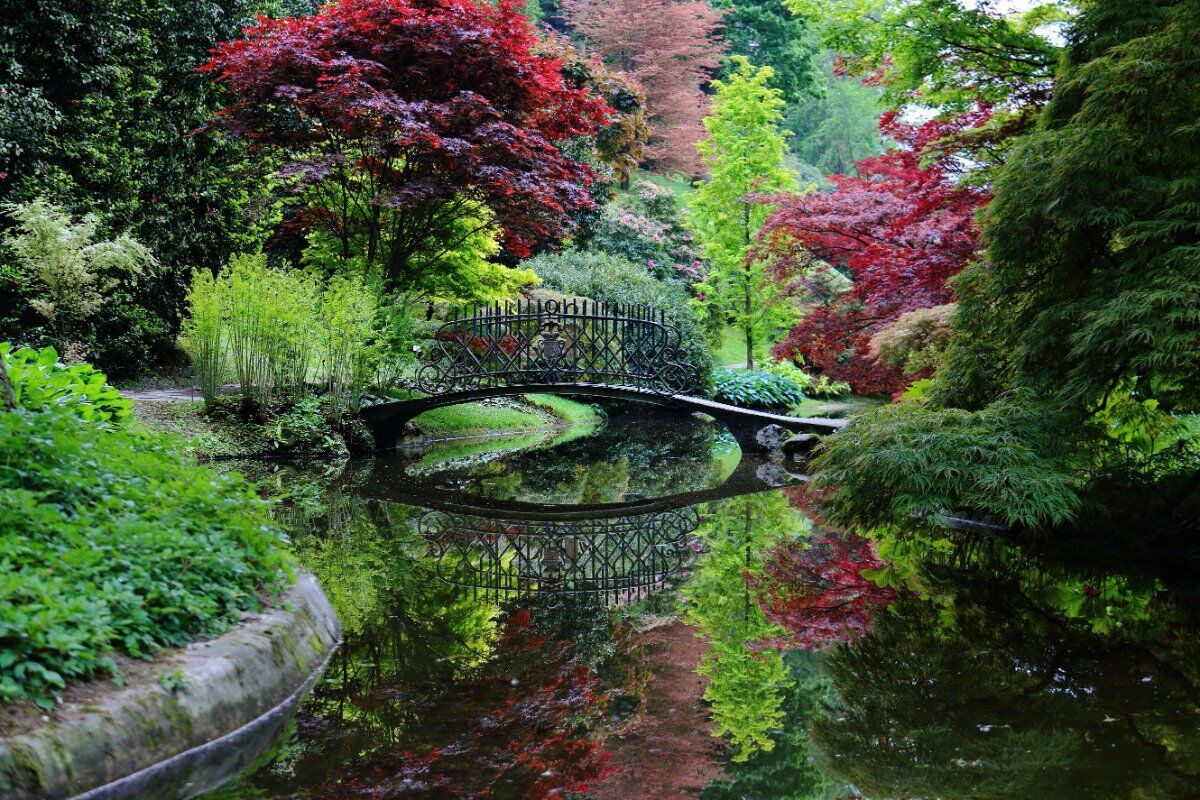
{"type": "Point", "coordinates": [507, 415]}
{"type": "Point", "coordinates": [116, 544]}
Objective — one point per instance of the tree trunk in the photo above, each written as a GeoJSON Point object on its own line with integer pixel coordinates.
{"type": "Point", "coordinates": [749, 348]}
{"type": "Point", "coordinates": [748, 304]}
{"type": "Point", "coordinates": [8, 398]}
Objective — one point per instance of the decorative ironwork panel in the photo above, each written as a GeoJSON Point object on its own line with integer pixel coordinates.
{"type": "Point", "coordinates": [536, 342]}
{"type": "Point", "coordinates": [623, 558]}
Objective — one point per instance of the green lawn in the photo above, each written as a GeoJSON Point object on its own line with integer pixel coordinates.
{"type": "Point", "coordinates": [477, 419]}
{"type": "Point", "coordinates": [732, 350]}
{"type": "Point", "coordinates": [841, 407]}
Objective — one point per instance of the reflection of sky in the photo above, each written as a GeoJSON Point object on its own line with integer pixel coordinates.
{"type": "Point", "coordinates": [1004, 6]}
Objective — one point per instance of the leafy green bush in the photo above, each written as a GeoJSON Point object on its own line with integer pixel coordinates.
{"type": "Point", "coordinates": [40, 381]}
{"type": "Point", "coordinates": [111, 541]}
{"type": "Point", "coordinates": [755, 389]}
{"type": "Point", "coordinates": [905, 465]}
{"type": "Point", "coordinates": [611, 279]}
{"type": "Point", "coordinates": [78, 290]}
{"type": "Point", "coordinates": [811, 385]}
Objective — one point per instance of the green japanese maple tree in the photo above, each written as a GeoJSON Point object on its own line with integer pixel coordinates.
{"type": "Point", "coordinates": [744, 151]}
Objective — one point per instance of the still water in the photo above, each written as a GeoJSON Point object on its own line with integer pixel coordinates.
{"type": "Point", "coordinates": [637, 611]}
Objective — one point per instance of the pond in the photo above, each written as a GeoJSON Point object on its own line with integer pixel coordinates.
{"type": "Point", "coordinates": [640, 611]}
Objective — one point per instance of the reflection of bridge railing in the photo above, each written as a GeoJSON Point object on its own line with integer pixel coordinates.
{"type": "Point", "coordinates": [619, 558]}
{"type": "Point", "coordinates": [537, 343]}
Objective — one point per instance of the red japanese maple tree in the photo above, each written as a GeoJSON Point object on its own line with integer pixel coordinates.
{"type": "Point", "coordinates": [671, 48]}
{"type": "Point", "coordinates": [816, 591]}
{"type": "Point", "coordinates": [901, 228]}
{"type": "Point", "coordinates": [395, 120]}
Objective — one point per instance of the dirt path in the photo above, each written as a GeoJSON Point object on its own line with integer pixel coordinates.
{"type": "Point", "coordinates": [671, 753]}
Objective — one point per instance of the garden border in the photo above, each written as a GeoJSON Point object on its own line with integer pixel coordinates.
{"type": "Point", "coordinates": [234, 695]}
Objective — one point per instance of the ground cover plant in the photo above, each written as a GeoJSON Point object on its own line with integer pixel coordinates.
{"type": "Point", "coordinates": [755, 389]}
{"type": "Point", "coordinates": [113, 542]}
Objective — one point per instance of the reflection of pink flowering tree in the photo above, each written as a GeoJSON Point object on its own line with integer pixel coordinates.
{"type": "Point", "coordinates": [816, 591]}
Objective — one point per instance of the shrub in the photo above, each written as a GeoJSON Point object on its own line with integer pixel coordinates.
{"type": "Point", "coordinates": [755, 389]}
{"type": "Point", "coordinates": [275, 331]}
{"type": "Point", "coordinates": [268, 316]}
{"type": "Point", "coordinates": [112, 542]}
{"type": "Point", "coordinates": [39, 381]}
{"type": "Point", "coordinates": [348, 314]}
{"type": "Point", "coordinates": [647, 231]}
{"type": "Point", "coordinates": [905, 465]}
{"type": "Point", "coordinates": [70, 274]}
{"type": "Point", "coordinates": [812, 385]}
{"type": "Point", "coordinates": [202, 332]}
{"type": "Point", "coordinates": [915, 341]}
{"type": "Point", "coordinates": [611, 279]}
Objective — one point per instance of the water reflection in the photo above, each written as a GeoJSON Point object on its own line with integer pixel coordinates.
{"type": "Point", "coordinates": [499, 650]}
{"type": "Point", "coordinates": [620, 559]}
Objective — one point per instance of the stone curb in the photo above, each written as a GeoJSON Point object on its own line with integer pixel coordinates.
{"type": "Point", "coordinates": [238, 693]}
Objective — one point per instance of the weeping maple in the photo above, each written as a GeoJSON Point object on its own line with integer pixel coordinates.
{"type": "Point", "coordinates": [392, 120]}
{"type": "Point", "coordinates": [901, 228]}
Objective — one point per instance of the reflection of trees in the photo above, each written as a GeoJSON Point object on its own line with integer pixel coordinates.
{"type": "Point", "coordinates": [429, 695]}
{"type": "Point", "coordinates": [820, 590]}
{"type": "Point", "coordinates": [993, 686]}
{"type": "Point", "coordinates": [745, 686]}
{"type": "Point", "coordinates": [628, 459]}
{"type": "Point", "coordinates": [515, 726]}
{"type": "Point", "coordinates": [787, 771]}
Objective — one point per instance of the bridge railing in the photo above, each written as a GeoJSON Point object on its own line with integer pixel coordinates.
{"type": "Point", "coordinates": [547, 342]}
{"type": "Point", "coordinates": [620, 559]}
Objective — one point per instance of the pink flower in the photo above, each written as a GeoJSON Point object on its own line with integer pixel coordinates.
{"type": "Point", "coordinates": [702, 296]}
{"type": "Point", "coordinates": [650, 262]}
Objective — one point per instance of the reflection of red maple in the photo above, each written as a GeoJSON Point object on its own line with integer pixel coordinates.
{"type": "Point", "coordinates": [816, 592]}
{"type": "Point", "coordinates": [903, 226]}
{"type": "Point", "coordinates": [518, 730]}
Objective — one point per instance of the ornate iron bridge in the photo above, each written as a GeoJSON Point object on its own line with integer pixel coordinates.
{"type": "Point", "coordinates": [535, 342]}
{"type": "Point", "coordinates": [621, 559]}
{"type": "Point", "coordinates": [568, 347]}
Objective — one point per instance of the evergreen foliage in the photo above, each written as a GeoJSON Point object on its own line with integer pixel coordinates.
{"type": "Point", "coordinates": [1093, 260]}
{"type": "Point", "coordinates": [766, 34]}
{"type": "Point", "coordinates": [837, 126]}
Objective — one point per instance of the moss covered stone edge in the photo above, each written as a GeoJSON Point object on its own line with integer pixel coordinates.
{"type": "Point", "coordinates": [225, 703]}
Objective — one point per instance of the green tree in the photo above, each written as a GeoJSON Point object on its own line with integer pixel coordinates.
{"type": "Point", "coordinates": [768, 35]}
{"type": "Point", "coordinates": [1093, 260]}
{"type": "Point", "coordinates": [953, 53]}
{"type": "Point", "coordinates": [98, 101]}
{"type": "Point", "coordinates": [837, 126]}
{"type": "Point", "coordinates": [745, 151]}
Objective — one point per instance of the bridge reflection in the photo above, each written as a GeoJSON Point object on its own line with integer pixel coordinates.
{"type": "Point", "coordinates": [621, 559]}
